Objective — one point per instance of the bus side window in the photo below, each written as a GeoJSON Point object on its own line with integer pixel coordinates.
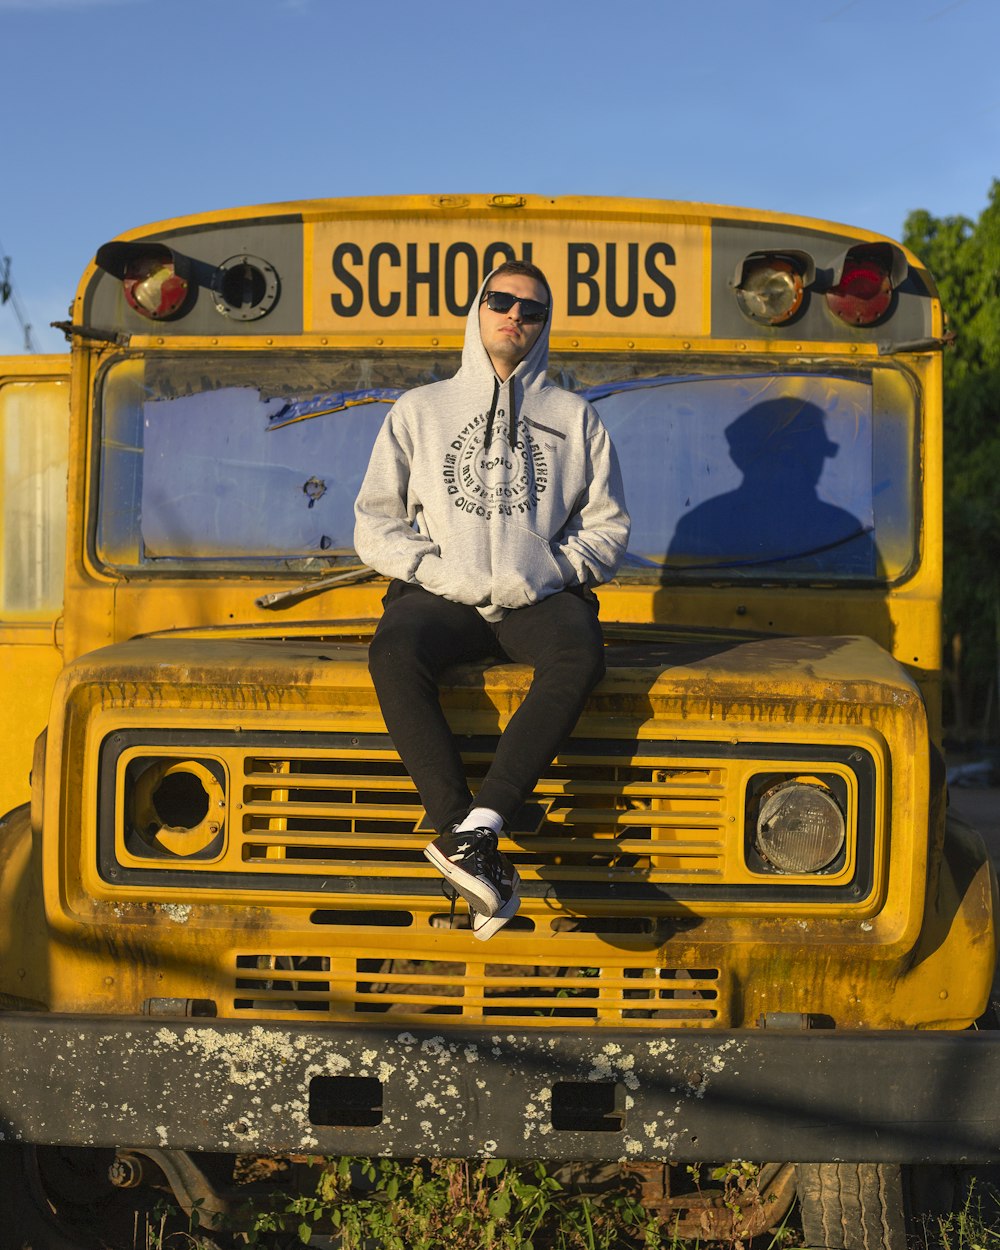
{"type": "Point", "coordinates": [34, 421]}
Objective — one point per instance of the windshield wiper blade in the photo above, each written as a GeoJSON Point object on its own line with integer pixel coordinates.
{"type": "Point", "coordinates": [765, 561]}
{"type": "Point", "coordinates": [360, 573]}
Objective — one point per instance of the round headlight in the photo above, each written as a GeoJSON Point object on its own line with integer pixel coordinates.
{"type": "Point", "coordinates": [800, 827]}
{"type": "Point", "coordinates": [770, 291]}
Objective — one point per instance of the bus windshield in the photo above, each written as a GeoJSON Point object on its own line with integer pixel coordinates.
{"type": "Point", "coordinates": [736, 470]}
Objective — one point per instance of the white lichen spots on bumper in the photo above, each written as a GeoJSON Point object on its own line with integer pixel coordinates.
{"type": "Point", "coordinates": [368, 1057]}
{"type": "Point", "coordinates": [610, 1064]}
{"type": "Point", "coordinates": [537, 1112]}
{"type": "Point", "coordinates": [471, 1054]}
{"type": "Point", "coordinates": [179, 913]}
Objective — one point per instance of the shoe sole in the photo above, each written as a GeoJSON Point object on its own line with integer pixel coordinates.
{"type": "Point", "coordinates": [483, 900]}
{"type": "Point", "coordinates": [496, 922]}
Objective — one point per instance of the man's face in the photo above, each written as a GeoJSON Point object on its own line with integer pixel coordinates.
{"type": "Point", "coordinates": [507, 337]}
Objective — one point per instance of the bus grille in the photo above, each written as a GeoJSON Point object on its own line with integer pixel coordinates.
{"type": "Point", "coordinates": [331, 988]}
{"type": "Point", "coordinates": [595, 814]}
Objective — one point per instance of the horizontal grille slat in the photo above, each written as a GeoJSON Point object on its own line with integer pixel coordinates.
{"type": "Point", "coordinates": [627, 820]}
{"type": "Point", "coordinates": [346, 810]}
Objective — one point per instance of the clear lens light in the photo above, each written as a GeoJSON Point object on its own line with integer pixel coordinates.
{"type": "Point", "coordinates": [770, 291]}
{"type": "Point", "coordinates": [800, 827]}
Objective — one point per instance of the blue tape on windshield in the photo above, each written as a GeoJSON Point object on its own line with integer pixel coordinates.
{"type": "Point", "coordinates": [332, 401]}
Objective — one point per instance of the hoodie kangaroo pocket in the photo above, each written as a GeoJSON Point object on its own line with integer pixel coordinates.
{"type": "Point", "coordinates": [462, 578]}
{"type": "Point", "coordinates": [524, 568]}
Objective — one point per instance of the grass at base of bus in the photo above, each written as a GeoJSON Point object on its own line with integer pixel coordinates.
{"type": "Point", "coordinates": [461, 1204]}
{"type": "Point", "coordinates": [388, 1204]}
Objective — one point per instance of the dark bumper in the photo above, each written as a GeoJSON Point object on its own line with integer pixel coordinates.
{"type": "Point", "coordinates": [556, 1094]}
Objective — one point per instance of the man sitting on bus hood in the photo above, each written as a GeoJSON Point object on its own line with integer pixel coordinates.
{"type": "Point", "coordinates": [494, 501]}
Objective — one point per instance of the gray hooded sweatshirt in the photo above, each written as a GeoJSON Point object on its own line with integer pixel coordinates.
{"type": "Point", "coordinates": [494, 494]}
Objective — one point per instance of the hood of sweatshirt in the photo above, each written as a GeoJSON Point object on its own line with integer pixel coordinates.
{"type": "Point", "coordinates": [477, 368]}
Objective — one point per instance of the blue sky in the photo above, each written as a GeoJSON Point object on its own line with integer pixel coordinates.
{"type": "Point", "coordinates": [114, 113]}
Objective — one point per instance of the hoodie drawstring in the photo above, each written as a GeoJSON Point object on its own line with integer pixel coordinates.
{"type": "Point", "coordinates": [492, 413]}
{"type": "Point", "coordinates": [511, 411]}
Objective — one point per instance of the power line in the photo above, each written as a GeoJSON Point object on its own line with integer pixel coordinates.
{"type": "Point", "coordinates": [8, 295]}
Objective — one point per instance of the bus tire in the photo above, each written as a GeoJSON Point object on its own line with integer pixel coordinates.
{"type": "Point", "coordinates": [853, 1206]}
{"type": "Point", "coordinates": [61, 1198]}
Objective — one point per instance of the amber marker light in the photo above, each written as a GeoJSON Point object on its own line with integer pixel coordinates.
{"type": "Point", "coordinates": [770, 288]}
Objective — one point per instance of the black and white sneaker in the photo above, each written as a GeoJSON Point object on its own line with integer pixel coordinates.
{"type": "Point", "coordinates": [471, 862]}
{"type": "Point", "coordinates": [484, 927]}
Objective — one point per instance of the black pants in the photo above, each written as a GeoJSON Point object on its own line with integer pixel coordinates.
{"type": "Point", "coordinates": [421, 634]}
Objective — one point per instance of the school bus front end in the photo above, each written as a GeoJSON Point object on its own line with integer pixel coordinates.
{"type": "Point", "coordinates": [748, 927]}
{"type": "Point", "coordinates": [238, 888]}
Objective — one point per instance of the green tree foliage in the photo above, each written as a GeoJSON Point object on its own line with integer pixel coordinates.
{"type": "Point", "coordinates": [964, 257]}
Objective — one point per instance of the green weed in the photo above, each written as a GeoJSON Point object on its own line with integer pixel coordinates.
{"type": "Point", "coordinates": [974, 1226]}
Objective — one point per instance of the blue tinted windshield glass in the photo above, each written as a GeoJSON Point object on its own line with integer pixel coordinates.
{"type": "Point", "coordinates": [741, 472]}
{"type": "Point", "coordinates": [227, 473]}
{"type": "Point", "coordinates": [745, 473]}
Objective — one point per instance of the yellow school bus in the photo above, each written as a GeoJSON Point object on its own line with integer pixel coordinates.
{"type": "Point", "coordinates": [749, 929]}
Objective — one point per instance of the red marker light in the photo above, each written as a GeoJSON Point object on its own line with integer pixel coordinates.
{"type": "Point", "coordinates": [153, 287]}
{"type": "Point", "coordinates": [155, 279]}
{"type": "Point", "coordinates": [864, 292]}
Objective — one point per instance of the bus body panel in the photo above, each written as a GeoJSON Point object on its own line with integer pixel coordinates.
{"type": "Point", "coordinates": [34, 420]}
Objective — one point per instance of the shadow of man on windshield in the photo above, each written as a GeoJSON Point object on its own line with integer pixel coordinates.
{"type": "Point", "coordinates": [775, 516]}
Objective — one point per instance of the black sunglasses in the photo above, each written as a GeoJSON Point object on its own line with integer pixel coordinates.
{"type": "Point", "coordinates": [503, 301]}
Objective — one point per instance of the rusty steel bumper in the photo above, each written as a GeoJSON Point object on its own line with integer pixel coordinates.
{"type": "Point", "coordinates": [554, 1094]}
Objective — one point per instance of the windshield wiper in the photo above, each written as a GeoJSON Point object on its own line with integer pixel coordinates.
{"type": "Point", "coordinates": [768, 560]}
{"type": "Point", "coordinates": [636, 564]}
{"type": "Point", "coordinates": [359, 573]}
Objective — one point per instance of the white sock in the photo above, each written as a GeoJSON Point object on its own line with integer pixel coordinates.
{"type": "Point", "coordinates": [481, 818]}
